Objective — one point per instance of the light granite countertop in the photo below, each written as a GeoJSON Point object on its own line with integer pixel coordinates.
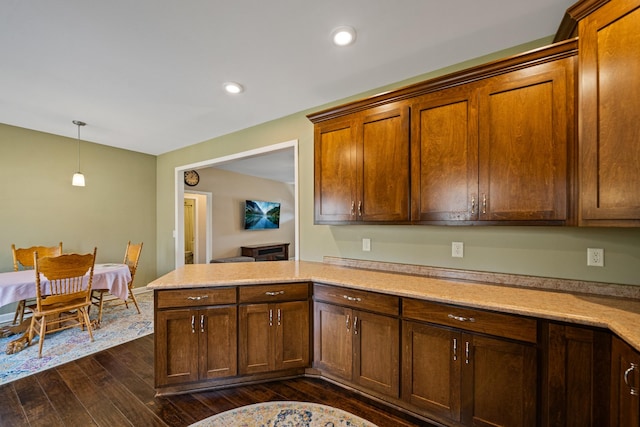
{"type": "Point", "coordinates": [618, 314]}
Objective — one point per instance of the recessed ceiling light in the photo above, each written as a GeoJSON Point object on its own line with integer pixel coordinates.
{"type": "Point", "coordinates": [233, 87]}
{"type": "Point", "coordinates": [343, 36]}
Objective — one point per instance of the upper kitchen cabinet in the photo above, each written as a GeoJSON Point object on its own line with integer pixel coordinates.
{"type": "Point", "coordinates": [493, 144]}
{"type": "Point", "coordinates": [526, 123]}
{"type": "Point", "coordinates": [362, 167]}
{"type": "Point", "coordinates": [609, 126]}
{"type": "Point", "coordinates": [444, 156]}
{"type": "Point", "coordinates": [499, 148]}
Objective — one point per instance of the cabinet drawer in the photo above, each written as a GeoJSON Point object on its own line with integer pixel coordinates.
{"type": "Point", "coordinates": [275, 292]}
{"type": "Point", "coordinates": [195, 297]}
{"type": "Point", "coordinates": [379, 303]}
{"type": "Point", "coordinates": [487, 322]}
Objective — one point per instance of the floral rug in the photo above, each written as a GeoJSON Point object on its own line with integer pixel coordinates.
{"type": "Point", "coordinates": [119, 325]}
{"type": "Point", "coordinates": [284, 414]}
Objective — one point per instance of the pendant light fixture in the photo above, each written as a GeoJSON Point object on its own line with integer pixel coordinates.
{"type": "Point", "coordinates": [78, 177]}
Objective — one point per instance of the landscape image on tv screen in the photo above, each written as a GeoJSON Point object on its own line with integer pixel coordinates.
{"type": "Point", "coordinates": [259, 215]}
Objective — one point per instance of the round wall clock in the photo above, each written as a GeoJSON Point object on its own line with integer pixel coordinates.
{"type": "Point", "coordinates": [191, 178]}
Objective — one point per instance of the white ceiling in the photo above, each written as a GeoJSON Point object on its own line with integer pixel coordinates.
{"type": "Point", "coordinates": [146, 75]}
{"type": "Point", "coordinates": [275, 165]}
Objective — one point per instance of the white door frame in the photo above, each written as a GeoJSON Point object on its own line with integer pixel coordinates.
{"type": "Point", "coordinates": [178, 232]}
{"type": "Point", "coordinates": [208, 222]}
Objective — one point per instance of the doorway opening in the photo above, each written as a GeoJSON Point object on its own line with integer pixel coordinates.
{"type": "Point", "coordinates": [228, 162]}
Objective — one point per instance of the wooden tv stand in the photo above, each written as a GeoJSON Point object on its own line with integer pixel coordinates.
{"type": "Point", "coordinates": [267, 251]}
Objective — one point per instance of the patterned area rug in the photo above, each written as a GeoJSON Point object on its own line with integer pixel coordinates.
{"type": "Point", "coordinates": [284, 414]}
{"type": "Point", "coordinates": [119, 325]}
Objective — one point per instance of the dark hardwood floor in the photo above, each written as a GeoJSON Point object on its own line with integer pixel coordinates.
{"type": "Point", "coordinates": [115, 388]}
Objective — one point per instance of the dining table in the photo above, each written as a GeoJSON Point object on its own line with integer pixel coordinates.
{"type": "Point", "coordinates": [20, 285]}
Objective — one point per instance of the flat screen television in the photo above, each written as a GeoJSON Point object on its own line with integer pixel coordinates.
{"type": "Point", "coordinates": [261, 215]}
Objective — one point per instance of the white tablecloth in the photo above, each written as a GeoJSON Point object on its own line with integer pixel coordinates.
{"type": "Point", "coordinates": [19, 285]}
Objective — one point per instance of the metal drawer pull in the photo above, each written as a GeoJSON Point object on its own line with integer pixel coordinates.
{"type": "Point", "coordinates": [473, 205]}
{"type": "Point", "coordinates": [270, 317]}
{"type": "Point", "coordinates": [461, 318]}
{"type": "Point", "coordinates": [484, 203]}
{"type": "Point", "coordinates": [202, 323]}
{"type": "Point", "coordinates": [279, 317]}
{"type": "Point", "coordinates": [634, 390]}
{"type": "Point", "coordinates": [348, 322]}
{"type": "Point", "coordinates": [193, 324]}
{"type": "Point", "coordinates": [353, 208]}
{"type": "Point", "coordinates": [273, 294]}
{"type": "Point", "coordinates": [355, 325]}
{"type": "Point", "coordinates": [348, 298]}
{"type": "Point", "coordinates": [360, 208]}
{"type": "Point", "coordinates": [455, 349]}
{"type": "Point", "coordinates": [466, 352]}
{"type": "Point", "coordinates": [198, 298]}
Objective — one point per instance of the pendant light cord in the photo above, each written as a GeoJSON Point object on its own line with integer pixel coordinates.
{"type": "Point", "coordinates": [79, 123]}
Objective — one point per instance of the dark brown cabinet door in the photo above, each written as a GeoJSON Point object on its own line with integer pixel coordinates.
{"type": "Point", "coordinates": [335, 171]}
{"type": "Point", "coordinates": [498, 382]}
{"type": "Point", "coordinates": [274, 336]}
{"type": "Point", "coordinates": [625, 385]}
{"type": "Point", "coordinates": [431, 370]}
{"type": "Point", "coordinates": [292, 335]}
{"type": "Point", "coordinates": [218, 342]}
{"type": "Point", "coordinates": [377, 352]}
{"type": "Point", "coordinates": [383, 165]}
{"type": "Point", "coordinates": [525, 134]}
{"type": "Point", "coordinates": [193, 345]}
{"type": "Point", "coordinates": [176, 347]}
{"type": "Point", "coordinates": [256, 344]}
{"type": "Point", "coordinates": [576, 379]}
{"type": "Point", "coordinates": [444, 156]}
{"type": "Point", "coordinates": [333, 342]}
{"type": "Point", "coordinates": [609, 79]}
{"type": "Point", "coordinates": [469, 379]}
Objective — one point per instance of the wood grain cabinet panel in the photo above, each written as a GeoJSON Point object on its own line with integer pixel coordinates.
{"type": "Point", "coordinates": [362, 167]}
{"type": "Point", "coordinates": [358, 346]}
{"type": "Point", "coordinates": [576, 375]}
{"type": "Point", "coordinates": [193, 345]}
{"type": "Point", "coordinates": [465, 378]}
{"type": "Point", "coordinates": [444, 156]}
{"type": "Point", "coordinates": [335, 171]}
{"type": "Point", "coordinates": [496, 150]}
{"type": "Point", "coordinates": [430, 369]}
{"type": "Point", "coordinates": [273, 336]}
{"type": "Point", "coordinates": [609, 129]}
{"type": "Point", "coordinates": [625, 385]}
{"type": "Point", "coordinates": [333, 342]}
{"type": "Point", "coordinates": [525, 136]}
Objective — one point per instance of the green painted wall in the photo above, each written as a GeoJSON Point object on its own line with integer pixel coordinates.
{"type": "Point", "coordinates": [542, 251]}
{"type": "Point", "coordinates": [39, 206]}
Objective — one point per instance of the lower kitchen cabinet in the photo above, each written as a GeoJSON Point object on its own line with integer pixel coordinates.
{"type": "Point", "coordinates": [625, 385]}
{"type": "Point", "coordinates": [273, 332]}
{"type": "Point", "coordinates": [361, 347]}
{"type": "Point", "coordinates": [464, 377]}
{"type": "Point", "coordinates": [195, 344]}
{"type": "Point", "coordinates": [274, 336]}
{"type": "Point", "coordinates": [576, 375]}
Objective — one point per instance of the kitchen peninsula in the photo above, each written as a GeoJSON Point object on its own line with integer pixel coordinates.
{"type": "Point", "coordinates": [213, 322]}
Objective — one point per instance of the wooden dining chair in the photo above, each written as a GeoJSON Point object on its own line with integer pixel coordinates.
{"type": "Point", "coordinates": [67, 289]}
{"type": "Point", "coordinates": [131, 259]}
{"type": "Point", "coordinates": [23, 260]}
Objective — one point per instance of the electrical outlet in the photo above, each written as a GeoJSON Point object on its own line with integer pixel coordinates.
{"type": "Point", "coordinates": [366, 245]}
{"type": "Point", "coordinates": [595, 257]}
{"type": "Point", "coordinates": [457, 249]}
